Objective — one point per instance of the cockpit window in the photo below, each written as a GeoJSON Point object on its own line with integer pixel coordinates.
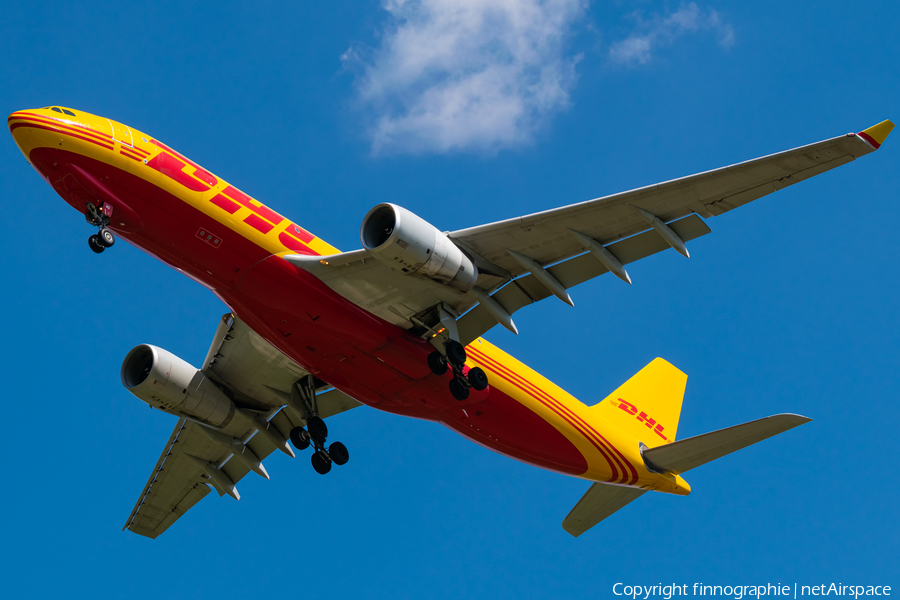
{"type": "Point", "coordinates": [54, 109]}
{"type": "Point", "coordinates": [69, 112]}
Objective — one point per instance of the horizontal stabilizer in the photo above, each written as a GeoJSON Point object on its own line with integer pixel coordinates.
{"type": "Point", "coordinates": [600, 501]}
{"type": "Point", "coordinates": [690, 453]}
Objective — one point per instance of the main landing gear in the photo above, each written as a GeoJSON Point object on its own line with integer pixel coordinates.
{"type": "Point", "coordinates": [315, 433]}
{"type": "Point", "coordinates": [104, 238]}
{"type": "Point", "coordinates": [455, 358]}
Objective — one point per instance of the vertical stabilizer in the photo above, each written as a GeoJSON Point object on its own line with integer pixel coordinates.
{"type": "Point", "coordinates": [648, 405]}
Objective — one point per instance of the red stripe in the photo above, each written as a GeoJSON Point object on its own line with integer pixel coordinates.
{"type": "Point", "coordinates": [265, 212]}
{"type": "Point", "coordinates": [66, 133]}
{"type": "Point", "coordinates": [64, 126]}
{"type": "Point", "coordinates": [498, 368]}
{"type": "Point", "coordinates": [132, 156]}
{"type": "Point", "coordinates": [561, 406]}
{"type": "Point", "coordinates": [69, 126]}
{"type": "Point", "coordinates": [225, 204]}
{"type": "Point", "coordinates": [869, 139]}
{"type": "Point", "coordinates": [258, 223]}
{"type": "Point", "coordinates": [20, 115]}
{"type": "Point", "coordinates": [140, 152]}
{"type": "Point", "coordinates": [298, 232]}
{"type": "Point", "coordinates": [200, 173]}
{"type": "Point", "coordinates": [172, 168]}
{"type": "Point", "coordinates": [205, 175]}
{"type": "Point", "coordinates": [607, 455]}
{"type": "Point", "coordinates": [295, 245]}
{"type": "Point", "coordinates": [585, 428]}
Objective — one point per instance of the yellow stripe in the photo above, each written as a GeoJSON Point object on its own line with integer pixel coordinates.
{"type": "Point", "coordinates": [879, 132]}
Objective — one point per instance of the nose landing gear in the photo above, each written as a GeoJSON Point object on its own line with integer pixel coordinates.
{"type": "Point", "coordinates": [456, 359]}
{"type": "Point", "coordinates": [104, 238]}
{"type": "Point", "coordinates": [101, 241]}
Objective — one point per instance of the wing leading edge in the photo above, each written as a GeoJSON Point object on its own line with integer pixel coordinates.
{"type": "Point", "coordinates": [575, 243]}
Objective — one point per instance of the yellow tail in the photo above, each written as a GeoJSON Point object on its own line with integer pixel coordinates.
{"type": "Point", "coordinates": [648, 405]}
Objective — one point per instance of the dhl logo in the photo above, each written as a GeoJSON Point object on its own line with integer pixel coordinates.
{"type": "Point", "coordinates": [177, 167]}
{"type": "Point", "coordinates": [641, 416]}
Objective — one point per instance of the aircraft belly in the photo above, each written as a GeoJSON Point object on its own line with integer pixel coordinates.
{"type": "Point", "coordinates": [358, 353]}
{"type": "Point", "coordinates": [380, 365]}
{"type": "Point", "coordinates": [502, 424]}
{"type": "Point", "coordinates": [373, 361]}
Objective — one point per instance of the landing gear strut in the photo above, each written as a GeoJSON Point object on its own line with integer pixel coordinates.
{"type": "Point", "coordinates": [104, 238]}
{"type": "Point", "coordinates": [455, 358]}
{"type": "Point", "coordinates": [316, 432]}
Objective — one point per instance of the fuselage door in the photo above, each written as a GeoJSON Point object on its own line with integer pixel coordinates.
{"type": "Point", "coordinates": [121, 133]}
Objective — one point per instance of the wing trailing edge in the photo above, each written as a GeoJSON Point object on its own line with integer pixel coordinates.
{"type": "Point", "coordinates": [600, 501]}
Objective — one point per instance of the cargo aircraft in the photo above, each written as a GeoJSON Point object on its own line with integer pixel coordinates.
{"type": "Point", "coordinates": [396, 325]}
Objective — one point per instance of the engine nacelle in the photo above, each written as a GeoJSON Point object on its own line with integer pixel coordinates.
{"type": "Point", "coordinates": [168, 383]}
{"type": "Point", "coordinates": [406, 242]}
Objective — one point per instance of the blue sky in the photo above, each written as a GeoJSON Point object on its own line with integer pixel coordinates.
{"type": "Point", "coordinates": [322, 111]}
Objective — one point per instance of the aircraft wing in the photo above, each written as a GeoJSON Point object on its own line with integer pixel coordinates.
{"type": "Point", "coordinates": [577, 242]}
{"type": "Point", "coordinates": [194, 461]}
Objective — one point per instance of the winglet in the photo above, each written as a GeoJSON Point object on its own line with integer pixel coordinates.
{"type": "Point", "coordinates": [876, 134]}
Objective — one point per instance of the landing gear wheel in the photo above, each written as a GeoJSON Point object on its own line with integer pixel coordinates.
{"type": "Point", "coordinates": [459, 389]}
{"type": "Point", "coordinates": [477, 378]}
{"type": "Point", "coordinates": [456, 354]}
{"type": "Point", "coordinates": [94, 243]}
{"type": "Point", "coordinates": [321, 464]}
{"type": "Point", "coordinates": [437, 363]}
{"type": "Point", "coordinates": [338, 453]}
{"type": "Point", "coordinates": [106, 238]}
{"type": "Point", "coordinates": [318, 431]}
{"type": "Point", "coordinates": [299, 438]}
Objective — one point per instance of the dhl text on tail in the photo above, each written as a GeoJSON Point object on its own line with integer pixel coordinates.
{"type": "Point", "coordinates": [396, 325]}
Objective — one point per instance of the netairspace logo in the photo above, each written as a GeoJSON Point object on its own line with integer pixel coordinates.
{"type": "Point", "coordinates": [667, 592]}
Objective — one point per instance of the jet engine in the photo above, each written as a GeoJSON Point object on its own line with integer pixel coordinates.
{"type": "Point", "coordinates": [168, 383]}
{"type": "Point", "coordinates": [406, 242]}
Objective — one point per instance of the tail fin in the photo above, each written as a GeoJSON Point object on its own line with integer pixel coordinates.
{"type": "Point", "coordinates": [690, 453]}
{"type": "Point", "coordinates": [648, 405]}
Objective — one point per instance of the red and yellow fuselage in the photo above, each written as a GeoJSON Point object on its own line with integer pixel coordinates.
{"type": "Point", "coordinates": [192, 220]}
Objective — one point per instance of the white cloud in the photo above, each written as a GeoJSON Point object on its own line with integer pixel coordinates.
{"type": "Point", "coordinates": [662, 31]}
{"type": "Point", "coordinates": [466, 75]}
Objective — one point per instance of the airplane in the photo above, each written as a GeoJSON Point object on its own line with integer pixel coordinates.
{"type": "Point", "coordinates": [397, 325]}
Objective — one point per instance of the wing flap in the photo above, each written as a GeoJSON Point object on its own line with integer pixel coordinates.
{"type": "Point", "coordinates": [334, 401]}
{"type": "Point", "coordinates": [177, 483]}
{"type": "Point", "coordinates": [526, 290]}
{"type": "Point", "coordinates": [282, 423]}
{"type": "Point", "coordinates": [245, 362]}
{"type": "Point", "coordinates": [173, 488]}
{"type": "Point", "coordinates": [599, 502]}
{"type": "Point", "coordinates": [194, 495]}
